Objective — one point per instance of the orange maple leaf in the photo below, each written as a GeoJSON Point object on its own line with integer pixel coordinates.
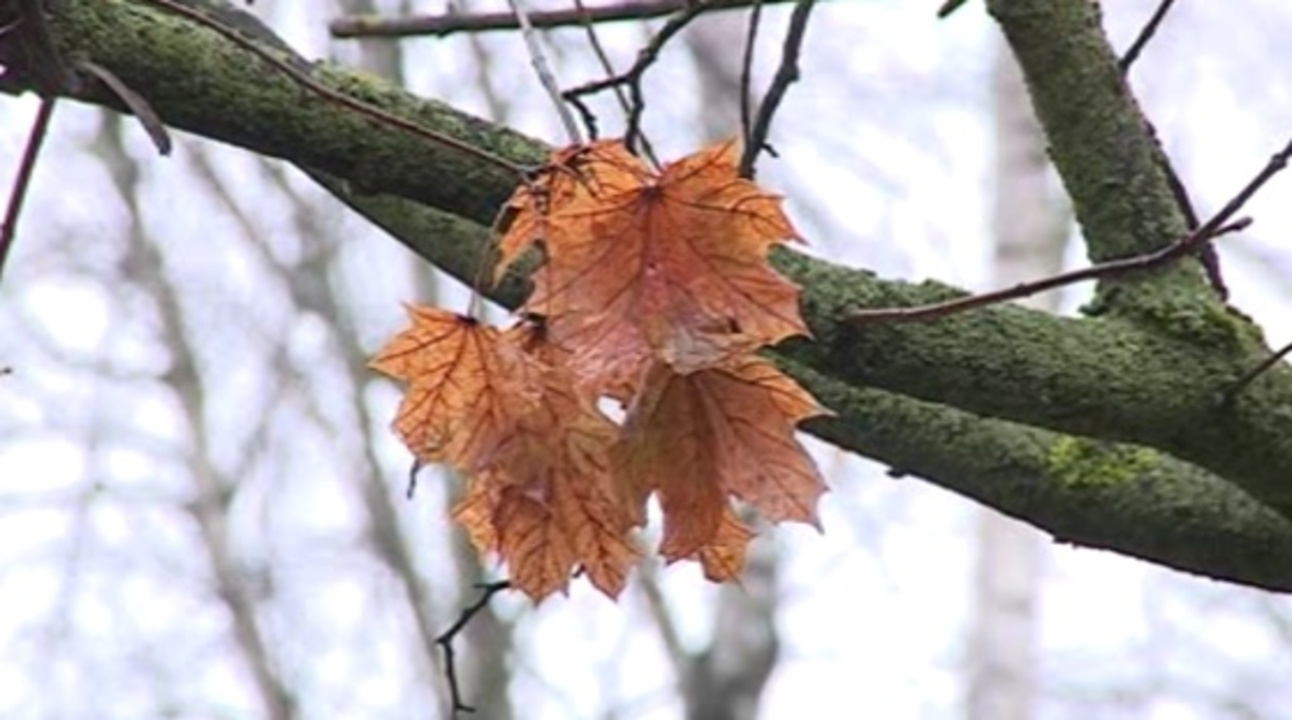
{"type": "Point", "coordinates": [723, 557]}
{"type": "Point", "coordinates": [670, 267]}
{"type": "Point", "coordinates": [467, 388]}
{"type": "Point", "coordinates": [604, 167]}
{"type": "Point", "coordinates": [655, 290]}
{"type": "Point", "coordinates": [546, 500]}
{"type": "Point", "coordinates": [697, 438]}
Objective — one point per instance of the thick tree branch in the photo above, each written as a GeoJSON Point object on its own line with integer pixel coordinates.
{"type": "Point", "coordinates": [1152, 379]}
{"type": "Point", "coordinates": [200, 81]}
{"type": "Point", "coordinates": [1099, 140]}
{"type": "Point", "coordinates": [1082, 492]}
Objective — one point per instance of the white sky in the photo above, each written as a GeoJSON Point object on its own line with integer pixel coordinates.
{"type": "Point", "coordinates": [885, 152]}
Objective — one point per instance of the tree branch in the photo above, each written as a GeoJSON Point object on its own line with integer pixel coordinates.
{"type": "Point", "coordinates": [442, 25]}
{"type": "Point", "coordinates": [1153, 379]}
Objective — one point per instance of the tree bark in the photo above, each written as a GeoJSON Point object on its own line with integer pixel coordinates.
{"type": "Point", "coordinates": [1087, 420]}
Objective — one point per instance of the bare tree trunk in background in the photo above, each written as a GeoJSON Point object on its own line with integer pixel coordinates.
{"type": "Point", "coordinates": [1030, 228]}
{"type": "Point", "coordinates": [487, 642]}
{"type": "Point", "coordinates": [233, 582]}
{"type": "Point", "coordinates": [726, 680]}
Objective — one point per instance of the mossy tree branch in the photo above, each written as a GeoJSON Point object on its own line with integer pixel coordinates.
{"type": "Point", "coordinates": [1151, 378]}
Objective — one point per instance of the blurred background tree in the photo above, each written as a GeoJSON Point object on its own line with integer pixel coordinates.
{"type": "Point", "coordinates": [204, 512]}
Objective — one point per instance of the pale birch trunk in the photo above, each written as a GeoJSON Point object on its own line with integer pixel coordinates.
{"type": "Point", "coordinates": [1030, 229]}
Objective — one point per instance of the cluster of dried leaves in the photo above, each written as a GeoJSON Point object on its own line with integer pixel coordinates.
{"type": "Point", "coordinates": [655, 292]}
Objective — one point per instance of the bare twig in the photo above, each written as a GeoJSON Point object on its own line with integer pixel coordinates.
{"type": "Point", "coordinates": [338, 98]}
{"type": "Point", "coordinates": [133, 101]}
{"type": "Point", "coordinates": [1145, 34]}
{"type": "Point", "coordinates": [442, 25]}
{"type": "Point", "coordinates": [949, 7]}
{"type": "Point", "coordinates": [633, 76]}
{"type": "Point", "coordinates": [445, 641]}
{"type": "Point", "coordinates": [594, 41]}
{"type": "Point", "coordinates": [413, 469]}
{"type": "Point", "coordinates": [39, 128]}
{"type": "Point", "coordinates": [1207, 254]}
{"type": "Point", "coordinates": [1112, 268]}
{"type": "Point", "coordinates": [786, 74]}
{"type": "Point", "coordinates": [1241, 383]}
{"type": "Point", "coordinates": [589, 120]}
{"type": "Point", "coordinates": [544, 71]}
{"type": "Point", "coordinates": [1218, 225]}
{"type": "Point", "coordinates": [747, 71]}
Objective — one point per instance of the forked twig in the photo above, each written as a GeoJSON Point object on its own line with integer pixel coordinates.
{"type": "Point", "coordinates": [337, 98]}
{"type": "Point", "coordinates": [1218, 225]}
{"type": "Point", "coordinates": [633, 76]}
{"type": "Point", "coordinates": [26, 166]}
{"type": "Point", "coordinates": [786, 75]}
{"type": "Point", "coordinates": [594, 41]}
{"type": "Point", "coordinates": [1145, 34]}
{"type": "Point", "coordinates": [446, 638]}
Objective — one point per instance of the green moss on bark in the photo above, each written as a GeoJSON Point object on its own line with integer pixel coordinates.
{"type": "Point", "coordinates": [1080, 461]}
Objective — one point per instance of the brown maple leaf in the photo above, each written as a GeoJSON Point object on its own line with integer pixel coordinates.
{"type": "Point", "coordinates": [670, 267]}
{"type": "Point", "coordinates": [545, 500]}
{"type": "Point", "coordinates": [698, 438]}
{"type": "Point", "coordinates": [723, 557]}
{"type": "Point", "coordinates": [600, 168]}
{"type": "Point", "coordinates": [467, 387]}
{"type": "Point", "coordinates": [655, 290]}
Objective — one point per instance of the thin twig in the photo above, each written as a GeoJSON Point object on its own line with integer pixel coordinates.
{"type": "Point", "coordinates": [594, 41]}
{"type": "Point", "coordinates": [302, 78]}
{"type": "Point", "coordinates": [1145, 34]}
{"type": "Point", "coordinates": [1100, 271]}
{"type": "Point", "coordinates": [589, 120]}
{"type": "Point", "coordinates": [545, 77]}
{"type": "Point", "coordinates": [786, 75]}
{"type": "Point", "coordinates": [1241, 383]}
{"type": "Point", "coordinates": [747, 71]}
{"type": "Point", "coordinates": [413, 469]}
{"type": "Point", "coordinates": [39, 128]}
{"type": "Point", "coordinates": [633, 76]}
{"type": "Point", "coordinates": [442, 25]}
{"type": "Point", "coordinates": [949, 7]}
{"type": "Point", "coordinates": [446, 638]}
{"type": "Point", "coordinates": [134, 102]}
{"type": "Point", "coordinates": [1207, 254]}
{"type": "Point", "coordinates": [1218, 225]}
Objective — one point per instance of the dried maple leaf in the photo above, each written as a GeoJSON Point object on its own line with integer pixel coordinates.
{"type": "Point", "coordinates": [697, 438]}
{"type": "Point", "coordinates": [532, 541]}
{"type": "Point", "coordinates": [723, 557]}
{"type": "Point", "coordinates": [467, 388]}
{"type": "Point", "coordinates": [655, 290]}
{"type": "Point", "coordinates": [545, 499]}
{"type": "Point", "coordinates": [600, 168]}
{"type": "Point", "coordinates": [643, 268]}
